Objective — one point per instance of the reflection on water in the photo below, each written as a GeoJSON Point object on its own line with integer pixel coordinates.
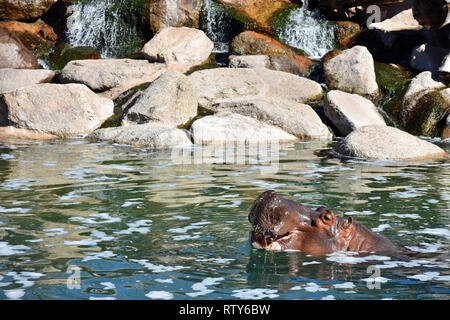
{"type": "Point", "coordinates": [85, 220]}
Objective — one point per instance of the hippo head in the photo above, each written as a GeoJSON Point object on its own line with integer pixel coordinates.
{"type": "Point", "coordinates": [280, 224]}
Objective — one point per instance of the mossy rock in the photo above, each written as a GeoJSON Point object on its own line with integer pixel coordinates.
{"type": "Point", "coordinates": [64, 53]}
{"type": "Point", "coordinates": [393, 82]}
{"type": "Point", "coordinates": [428, 111]}
{"type": "Point", "coordinates": [346, 32]}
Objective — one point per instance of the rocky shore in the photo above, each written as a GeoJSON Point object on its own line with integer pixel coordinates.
{"type": "Point", "coordinates": [385, 84]}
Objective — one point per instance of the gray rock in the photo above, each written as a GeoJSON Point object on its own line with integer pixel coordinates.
{"type": "Point", "coordinates": [422, 84]}
{"type": "Point", "coordinates": [143, 135]}
{"type": "Point", "coordinates": [400, 22]}
{"type": "Point", "coordinates": [58, 109]}
{"type": "Point", "coordinates": [233, 127]}
{"type": "Point", "coordinates": [350, 111]}
{"type": "Point", "coordinates": [113, 76]}
{"type": "Point", "coordinates": [386, 143]}
{"type": "Point", "coordinates": [295, 64]}
{"type": "Point", "coordinates": [170, 99]}
{"type": "Point", "coordinates": [11, 79]}
{"type": "Point", "coordinates": [297, 119]}
{"type": "Point", "coordinates": [352, 71]}
{"type": "Point", "coordinates": [182, 47]}
{"type": "Point", "coordinates": [229, 85]}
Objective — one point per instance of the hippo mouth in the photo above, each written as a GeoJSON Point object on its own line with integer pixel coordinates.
{"type": "Point", "coordinates": [270, 241]}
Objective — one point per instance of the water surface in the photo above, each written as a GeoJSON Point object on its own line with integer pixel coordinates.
{"type": "Point", "coordinates": [134, 224]}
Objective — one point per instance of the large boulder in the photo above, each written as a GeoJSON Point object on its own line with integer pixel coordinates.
{"type": "Point", "coordinates": [183, 47]}
{"type": "Point", "coordinates": [427, 113]}
{"type": "Point", "coordinates": [171, 99]}
{"type": "Point", "coordinates": [386, 143]}
{"type": "Point", "coordinates": [228, 85]}
{"type": "Point", "coordinates": [58, 109]}
{"type": "Point", "coordinates": [233, 127]}
{"type": "Point", "coordinates": [174, 13]}
{"type": "Point", "coordinates": [422, 84]}
{"type": "Point", "coordinates": [352, 71]}
{"type": "Point", "coordinates": [37, 36]}
{"type": "Point", "coordinates": [295, 118]}
{"type": "Point", "coordinates": [24, 9]}
{"type": "Point", "coordinates": [257, 13]}
{"type": "Point", "coordinates": [295, 64]}
{"type": "Point", "coordinates": [348, 111]}
{"type": "Point", "coordinates": [13, 54]}
{"type": "Point", "coordinates": [402, 21]}
{"type": "Point", "coordinates": [111, 77]}
{"type": "Point", "coordinates": [251, 42]}
{"type": "Point", "coordinates": [143, 135]}
{"type": "Point", "coordinates": [11, 79]}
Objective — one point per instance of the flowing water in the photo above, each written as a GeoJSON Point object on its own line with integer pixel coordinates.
{"type": "Point", "coordinates": [110, 26]}
{"type": "Point", "coordinates": [304, 29]}
{"type": "Point", "coordinates": [83, 220]}
{"type": "Point", "coordinates": [217, 25]}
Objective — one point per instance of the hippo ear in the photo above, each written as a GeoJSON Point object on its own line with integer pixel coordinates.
{"type": "Point", "coordinates": [347, 223]}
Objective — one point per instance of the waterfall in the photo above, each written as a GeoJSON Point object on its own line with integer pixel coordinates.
{"type": "Point", "coordinates": [217, 25]}
{"type": "Point", "coordinates": [104, 25]}
{"type": "Point", "coordinates": [306, 30]}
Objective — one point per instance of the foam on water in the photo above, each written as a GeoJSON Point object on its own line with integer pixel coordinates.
{"type": "Point", "coordinates": [255, 294]}
{"type": "Point", "coordinates": [159, 295]}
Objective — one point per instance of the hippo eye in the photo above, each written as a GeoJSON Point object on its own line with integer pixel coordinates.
{"type": "Point", "coordinates": [327, 217]}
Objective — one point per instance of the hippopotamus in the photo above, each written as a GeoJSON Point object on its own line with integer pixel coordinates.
{"type": "Point", "coordinates": [282, 224]}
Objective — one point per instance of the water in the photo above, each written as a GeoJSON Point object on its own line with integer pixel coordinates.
{"type": "Point", "coordinates": [217, 24]}
{"type": "Point", "coordinates": [132, 224]}
{"type": "Point", "coordinates": [304, 29]}
{"type": "Point", "coordinates": [110, 26]}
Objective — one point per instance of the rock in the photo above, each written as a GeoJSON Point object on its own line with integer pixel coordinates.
{"type": "Point", "coordinates": [427, 57]}
{"type": "Point", "coordinates": [143, 135]}
{"type": "Point", "coordinates": [112, 77]}
{"type": "Point", "coordinates": [295, 64]}
{"type": "Point", "coordinates": [422, 84]}
{"type": "Point", "coordinates": [233, 127]}
{"type": "Point", "coordinates": [183, 47]}
{"type": "Point", "coordinates": [257, 13]}
{"type": "Point", "coordinates": [64, 53]}
{"type": "Point", "coordinates": [348, 111]}
{"type": "Point", "coordinates": [251, 42]}
{"type": "Point", "coordinates": [345, 33]}
{"type": "Point", "coordinates": [352, 71]}
{"type": "Point", "coordinates": [10, 132]}
{"type": "Point", "coordinates": [58, 109]}
{"type": "Point", "coordinates": [37, 36]}
{"type": "Point", "coordinates": [174, 13]}
{"type": "Point", "coordinates": [24, 9]}
{"type": "Point", "coordinates": [297, 119]}
{"type": "Point", "coordinates": [400, 22]}
{"type": "Point", "coordinates": [170, 99]}
{"type": "Point", "coordinates": [13, 54]}
{"type": "Point", "coordinates": [445, 133]}
{"type": "Point", "coordinates": [330, 55]}
{"type": "Point", "coordinates": [428, 111]}
{"type": "Point", "coordinates": [230, 85]}
{"type": "Point", "coordinates": [393, 81]}
{"type": "Point", "coordinates": [386, 143]}
{"type": "Point", "coordinates": [430, 13]}
{"type": "Point", "coordinates": [444, 69]}
{"type": "Point", "coordinates": [11, 79]}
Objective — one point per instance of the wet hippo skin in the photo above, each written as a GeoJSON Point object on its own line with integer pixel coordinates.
{"type": "Point", "coordinates": [281, 224]}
